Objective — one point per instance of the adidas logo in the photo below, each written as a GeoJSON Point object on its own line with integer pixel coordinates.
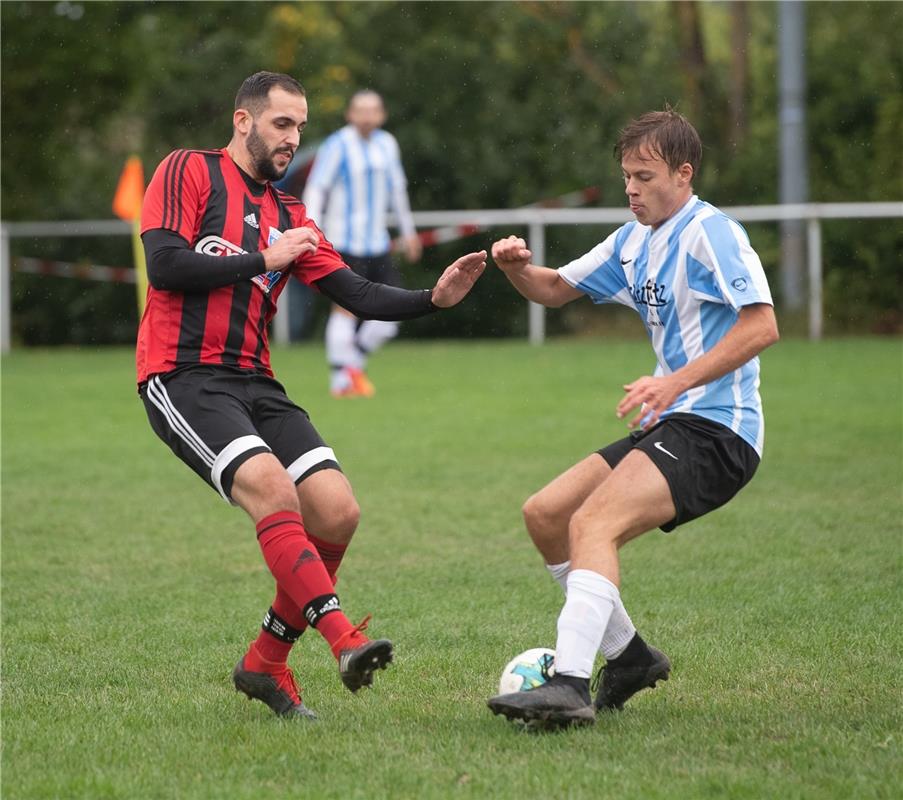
{"type": "Point", "coordinates": [252, 221]}
{"type": "Point", "coordinates": [305, 556]}
{"type": "Point", "coordinates": [313, 612]}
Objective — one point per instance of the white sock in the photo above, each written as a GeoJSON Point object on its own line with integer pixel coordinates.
{"type": "Point", "coordinates": [340, 348]}
{"type": "Point", "coordinates": [591, 598]}
{"type": "Point", "coordinates": [374, 333]}
{"type": "Point", "coordinates": [619, 632]}
{"type": "Point", "coordinates": [560, 573]}
{"type": "Point", "coordinates": [620, 628]}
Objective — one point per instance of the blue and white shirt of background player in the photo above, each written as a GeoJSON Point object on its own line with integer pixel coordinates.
{"type": "Point", "coordinates": [688, 280]}
{"type": "Point", "coordinates": [353, 185]}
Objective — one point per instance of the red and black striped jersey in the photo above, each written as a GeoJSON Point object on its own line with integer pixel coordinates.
{"type": "Point", "coordinates": [206, 199]}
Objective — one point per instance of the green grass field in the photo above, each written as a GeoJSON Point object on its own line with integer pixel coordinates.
{"type": "Point", "coordinates": [129, 589]}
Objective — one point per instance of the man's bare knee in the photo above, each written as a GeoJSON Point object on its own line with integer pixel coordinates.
{"type": "Point", "coordinates": [261, 486]}
{"type": "Point", "coordinates": [541, 519]}
{"type": "Point", "coordinates": [342, 522]}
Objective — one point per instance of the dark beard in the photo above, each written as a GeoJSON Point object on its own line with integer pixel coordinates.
{"type": "Point", "coordinates": [262, 159]}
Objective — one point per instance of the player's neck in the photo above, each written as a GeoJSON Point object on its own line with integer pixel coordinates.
{"type": "Point", "coordinates": [242, 159]}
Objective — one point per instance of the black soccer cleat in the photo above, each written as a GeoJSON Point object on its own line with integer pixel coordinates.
{"type": "Point", "coordinates": [618, 684]}
{"type": "Point", "coordinates": [278, 690]}
{"type": "Point", "coordinates": [357, 664]}
{"type": "Point", "coordinates": [561, 702]}
{"type": "Point", "coordinates": [359, 657]}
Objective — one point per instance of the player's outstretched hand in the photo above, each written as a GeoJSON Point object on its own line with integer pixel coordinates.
{"type": "Point", "coordinates": [458, 279]}
{"type": "Point", "coordinates": [294, 243]}
{"type": "Point", "coordinates": [511, 254]}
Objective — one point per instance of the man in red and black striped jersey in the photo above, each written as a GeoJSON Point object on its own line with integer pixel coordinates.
{"type": "Point", "coordinates": [221, 243]}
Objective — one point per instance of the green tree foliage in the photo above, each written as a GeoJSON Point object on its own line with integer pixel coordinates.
{"type": "Point", "coordinates": [495, 105]}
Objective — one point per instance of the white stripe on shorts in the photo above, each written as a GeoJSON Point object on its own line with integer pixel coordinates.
{"type": "Point", "coordinates": [228, 454]}
{"type": "Point", "coordinates": [310, 459]}
{"type": "Point", "coordinates": [156, 393]}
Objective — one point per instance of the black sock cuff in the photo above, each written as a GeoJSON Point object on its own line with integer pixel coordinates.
{"type": "Point", "coordinates": [636, 651]}
{"type": "Point", "coordinates": [319, 607]}
{"type": "Point", "coordinates": [277, 627]}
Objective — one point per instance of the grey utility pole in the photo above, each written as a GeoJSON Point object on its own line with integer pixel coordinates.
{"type": "Point", "coordinates": [793, 162]}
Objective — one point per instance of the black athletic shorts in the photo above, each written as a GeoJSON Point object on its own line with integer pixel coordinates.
{"type": "Point", "coordinates": [216, 417]}
{"type": "Point", "coordinates": [378, 269]}
{"type": "Point", "coordinates": [704, 462]}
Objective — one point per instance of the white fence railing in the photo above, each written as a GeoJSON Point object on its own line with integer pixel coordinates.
{"type": "Point", "coordinates": [534, 219]}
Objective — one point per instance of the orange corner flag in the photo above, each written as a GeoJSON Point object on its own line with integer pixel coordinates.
{"type": "Point", "coordinates": [127, 205]}
{"type": "Point", "coordinates": [130, 191]}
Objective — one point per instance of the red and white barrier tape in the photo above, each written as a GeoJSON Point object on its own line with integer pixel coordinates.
{"type": "Point", "coordinates": [453, 232]}
{"type": "Point", "coordinates": [67, 269]}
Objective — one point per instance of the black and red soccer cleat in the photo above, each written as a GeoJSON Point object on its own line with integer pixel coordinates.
{"type": "Point", "coordinates": [359, 657]}
{"type": "Point", "coordinates": [275, 686]}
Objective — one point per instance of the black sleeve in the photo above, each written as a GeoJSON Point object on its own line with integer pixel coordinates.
{"type": "Point", "coordinates": [172, 265]}
{"type": "Point", "coordinates": [369, 300]}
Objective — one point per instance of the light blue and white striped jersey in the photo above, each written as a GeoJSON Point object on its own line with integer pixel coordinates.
{"type": "Point", "coordinates": [353, 185]}
{"type": "Point", "coordinates": [688, 280]}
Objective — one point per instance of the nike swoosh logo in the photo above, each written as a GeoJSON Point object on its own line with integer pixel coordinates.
{"type": "Point", "coordinates": [658, 446]}
{"type": "Point", "coordinates": [625, 261]}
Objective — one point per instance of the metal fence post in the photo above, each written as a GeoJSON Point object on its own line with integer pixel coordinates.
{"type": "Point", "coordinates": [282, 320]}
{"type": "Point", "coordinates": [536, 312]}
{"type": "Point", "coordinates": [816, 310]}
{"type": "Point", "coordinates": [5, 289]}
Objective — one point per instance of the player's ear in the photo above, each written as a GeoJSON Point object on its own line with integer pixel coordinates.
{"type": "Point", "coordinates": [685, 171]}
{"type": "Point", "coordinates": [242, 120]}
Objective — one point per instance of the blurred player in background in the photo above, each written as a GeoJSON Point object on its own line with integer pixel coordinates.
{"type": "Point", "coordinates": [221, 244]}
{"type": "Point", "coordinates": [690, 273]}
{"type": "Point", "coordinates": [357, 178]}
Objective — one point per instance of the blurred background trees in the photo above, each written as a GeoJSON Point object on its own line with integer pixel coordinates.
{"type": "Point", "coordinates": [495, 105]}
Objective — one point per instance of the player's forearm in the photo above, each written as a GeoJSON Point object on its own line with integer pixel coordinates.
{"type": "Point", "coordinates": [368, 300]}
{"type": "Point", "coordinates": [174, 267]}
{"type": "Point", "coordinates": [541, 285]}
{"type": "Point", "coordinates": [755, 329]}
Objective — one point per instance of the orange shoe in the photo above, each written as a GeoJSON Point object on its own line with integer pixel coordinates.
{"type": "Point", "coordinates": [274, 685]}
{"type": "Point", "coordinates": [359, 657]}
{"type": "Point", "coordinates": [361, 383]}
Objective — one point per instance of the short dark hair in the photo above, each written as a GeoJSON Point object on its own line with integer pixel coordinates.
{"type": "Point", "coordinates": [667, 134]}
{"type": "Point", "coordinates": [254, 92]}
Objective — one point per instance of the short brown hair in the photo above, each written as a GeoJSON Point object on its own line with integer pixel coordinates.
{"type": "Point", "coordinates": [255, 91]}
{"type": "Point", "coordinates": [667, 134]}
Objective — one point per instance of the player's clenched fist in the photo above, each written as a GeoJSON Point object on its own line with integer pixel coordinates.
{"type": "Point", "coordinates": [511, 253]}
{"type": "Point", "coordinates": [294, 243]}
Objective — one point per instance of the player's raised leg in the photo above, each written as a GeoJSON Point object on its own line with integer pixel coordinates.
{"type": "Point", "coordinates": [263, 488]}
{"type": "Point", "coordinates": [548, 514]}
{"type": "Point", "coordinates": [633, 499]}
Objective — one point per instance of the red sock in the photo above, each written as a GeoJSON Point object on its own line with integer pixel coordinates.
{"type": "Point", "coordinates": [331, 553]}
{"type": "Point", "coordinates": [282, 626]}
{"type": "Point", "coordinates": [299, 571]}
{"type": "Point", "coordinates": [269, 645]}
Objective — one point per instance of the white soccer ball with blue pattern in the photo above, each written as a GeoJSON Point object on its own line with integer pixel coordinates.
{"type": "Point", "coordinates": [528, 670]}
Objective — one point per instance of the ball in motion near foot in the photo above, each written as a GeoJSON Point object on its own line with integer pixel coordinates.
{"type": "Point", "coordinates": [528, 670]}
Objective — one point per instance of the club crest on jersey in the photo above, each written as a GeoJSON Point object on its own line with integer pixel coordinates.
{"type": "Point", "coordinates": [267, 280]}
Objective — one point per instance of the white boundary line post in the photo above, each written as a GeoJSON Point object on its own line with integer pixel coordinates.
{"type": "Point", "coordinates": [536, 312]}
{"type": "Point", "coordinates": [816, 305]}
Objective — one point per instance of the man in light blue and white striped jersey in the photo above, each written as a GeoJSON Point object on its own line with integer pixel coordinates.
{"type": "Point", "coordinates": [691, 274]}
{"type": "Point", "coordinates": [357, 178]}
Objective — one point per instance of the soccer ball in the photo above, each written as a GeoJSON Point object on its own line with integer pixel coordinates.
{"type": "Point", "coordinates": [528, 670]}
